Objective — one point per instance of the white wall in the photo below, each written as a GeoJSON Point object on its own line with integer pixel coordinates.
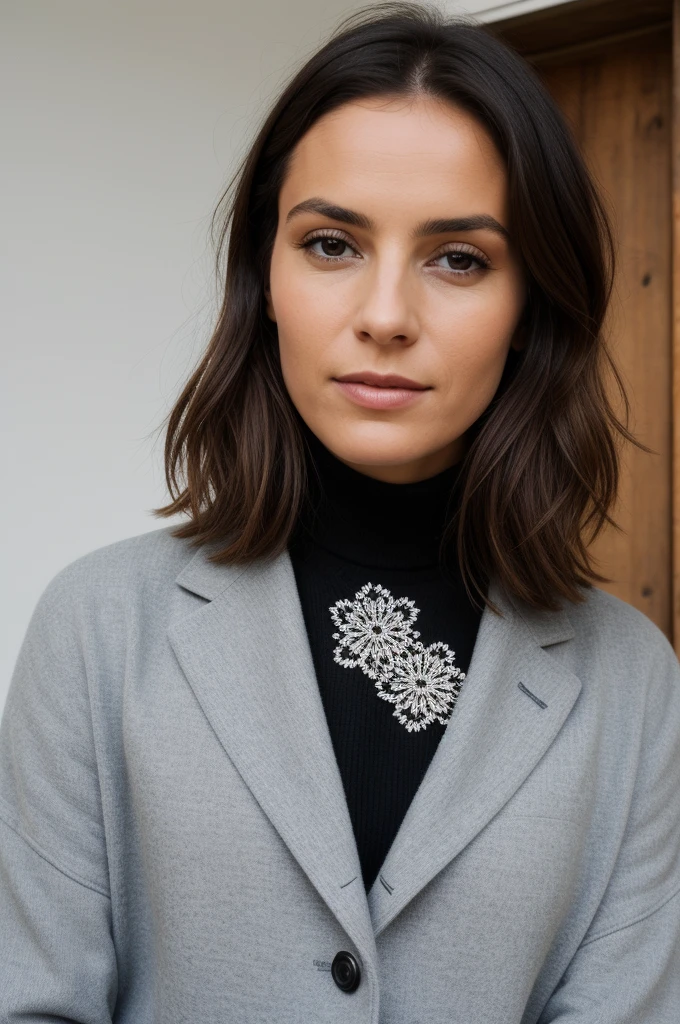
{"type": "Point", "coordinates": [119, 124]}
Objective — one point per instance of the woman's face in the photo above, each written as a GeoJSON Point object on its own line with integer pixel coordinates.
{"type": "Point", "coordinates": [392, 257]}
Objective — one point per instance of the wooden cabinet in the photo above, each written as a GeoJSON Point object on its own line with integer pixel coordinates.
{"type": "Point", "coordinates": [610, 67]}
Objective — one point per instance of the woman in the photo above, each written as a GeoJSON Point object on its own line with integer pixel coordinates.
{"type": "Point", "coordinates": [361, 740]}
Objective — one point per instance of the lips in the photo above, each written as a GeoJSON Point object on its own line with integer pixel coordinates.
{"type": "Point", "coordinates": [380, 391]}
{"type": "Point", "coordinates": [381, 380]}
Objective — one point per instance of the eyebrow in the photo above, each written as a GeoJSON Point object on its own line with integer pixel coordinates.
{"type": "Point", "coordinates": [440, 226]}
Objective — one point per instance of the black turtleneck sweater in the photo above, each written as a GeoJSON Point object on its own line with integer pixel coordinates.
{"type": "Point", "coordinates": [391, 632]}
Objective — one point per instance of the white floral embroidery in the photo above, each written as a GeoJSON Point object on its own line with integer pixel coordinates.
{"type": "Point", "coordinates": [424, 685]}
{"type": "Point", "coordinates": [373, 629]}
{"type": "Point", "coordinates": [375, 635]}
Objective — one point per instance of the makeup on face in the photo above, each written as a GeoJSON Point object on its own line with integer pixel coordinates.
{"type": "Point", "coordinates": [393, 282]}
{"type": "Point", "coordinates": [380, 391]}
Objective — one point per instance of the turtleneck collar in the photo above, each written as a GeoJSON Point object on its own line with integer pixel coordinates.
{"type": "Point", "coordinates": [371, 522]}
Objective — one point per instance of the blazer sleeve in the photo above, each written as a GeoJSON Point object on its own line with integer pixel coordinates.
{"type": "Point", "coordinates": [57, 958]}
{"type": "Point", "coordinates": [627, 968]}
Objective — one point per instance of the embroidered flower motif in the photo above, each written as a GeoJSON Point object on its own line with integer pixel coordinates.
{"type": "Point", "coordinates": [375, 635]}
{"type": "Point", "coordinates": [423, 686]}
{"type": "Point", "coordinates": [373, 628]}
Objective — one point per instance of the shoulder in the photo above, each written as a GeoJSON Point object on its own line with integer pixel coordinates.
{"type": "Point", "coordinates": [143, 565]}
{"type": "Point", "coordinates": [599, 626]}
{"type": "Point", "coordinates": [622, 656]}
{"type": "Point", "coordinates": [604, 623]}
{"type": "Point", "coordinates": [130, 562]}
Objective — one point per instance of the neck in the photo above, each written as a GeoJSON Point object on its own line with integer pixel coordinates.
{"type": "Point", "coordinates": [372, 521]}
{"type": "Point", "coordinates": [418, 469]}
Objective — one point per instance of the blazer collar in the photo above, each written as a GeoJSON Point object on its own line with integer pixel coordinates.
{"type": "Point", "coordinates": [246, 656]}
{"type": "Point", "coordinates": [202, 577]}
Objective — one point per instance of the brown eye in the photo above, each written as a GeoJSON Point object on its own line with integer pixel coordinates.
{"type": "Point", "coordinates": [331, 246]}
{"type": "Point", "coordinates": [463, 263]}
{"type": "Point", "coordinates": [461, 260]}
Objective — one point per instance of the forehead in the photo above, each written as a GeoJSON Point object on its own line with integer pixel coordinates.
{"type": "Point", "coordinates": [412, 155]}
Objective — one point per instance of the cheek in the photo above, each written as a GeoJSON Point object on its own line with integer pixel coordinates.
{"type": "Point", "coordinates": [309, 320]}
{"type": "Point", "coordinates": [473, 343]}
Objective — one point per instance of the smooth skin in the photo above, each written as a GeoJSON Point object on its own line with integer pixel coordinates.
{"type": "Point", "coordinates": [438, 303]}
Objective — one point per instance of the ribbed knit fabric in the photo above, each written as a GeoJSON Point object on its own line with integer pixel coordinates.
{"type": "Point", "coordinates": [382, 615]}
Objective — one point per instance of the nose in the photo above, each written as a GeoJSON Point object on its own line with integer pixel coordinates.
{"type": "Point", "coordinates": [386, 313]}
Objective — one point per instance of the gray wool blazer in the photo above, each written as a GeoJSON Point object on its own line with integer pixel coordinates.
{"type": "Point", "coordinates": [176, 845]}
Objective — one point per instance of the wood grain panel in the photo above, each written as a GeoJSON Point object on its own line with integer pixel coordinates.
{"type": "Point", "coordinates": [618, 101]}
{"type": "Point", "coordinates": [580, 22]}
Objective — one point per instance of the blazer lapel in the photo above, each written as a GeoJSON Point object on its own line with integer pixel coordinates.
{"type": "Point", "coordinates": [496, 735]}
{"type": "Point", "coordinates": [248, 661]}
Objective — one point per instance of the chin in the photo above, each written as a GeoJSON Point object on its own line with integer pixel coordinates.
{"type": "Point", "coordinates": [368, 446]}
{"type": "Point", "coordinates": [393, 451]}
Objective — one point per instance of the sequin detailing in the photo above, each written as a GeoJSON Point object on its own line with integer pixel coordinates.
{"type": "Point", "coordinates": [375, 635]}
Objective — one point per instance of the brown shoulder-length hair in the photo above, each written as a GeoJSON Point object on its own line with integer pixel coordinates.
{"type": "Point", "coordinates": [541, 470]}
